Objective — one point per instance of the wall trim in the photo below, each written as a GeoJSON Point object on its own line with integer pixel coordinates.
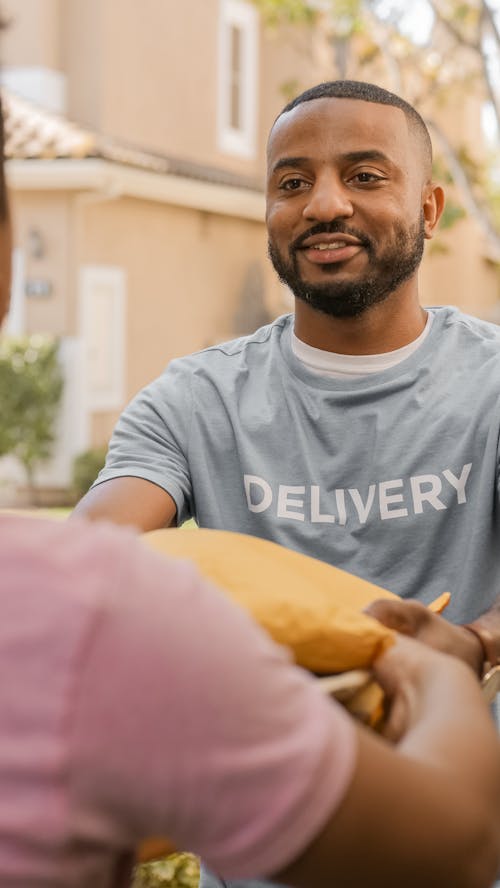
{"type": "Point", "coordinates": [115, 180]}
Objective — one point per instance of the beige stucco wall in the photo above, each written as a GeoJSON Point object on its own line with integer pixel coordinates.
{"type": "Point", "coordinates": [460, 273]}
{"type": "Point", "coordinates": [170, 70]}
{"type": "Point", "coordinates": [185, 273]}
{"type": "Point", "coordinates": [291, 60]}
{"type": "Point", "coordinates": [180, 294]}
{"type": "Point", "coordinates": [147, 72]}
{"type": "Point", "coordinates": [153, 67]}
{"type": "Point", "coordinates": [83, 52]}
{"type": "Point", "coordinates": [50, 214]}
{"type": "Point", "coordinates": [157, 83]}
{"type": "Point", "coordinates": [33, 35]}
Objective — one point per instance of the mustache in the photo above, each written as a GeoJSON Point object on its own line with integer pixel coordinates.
{"type": "Point", "coordinates": [335, 227]}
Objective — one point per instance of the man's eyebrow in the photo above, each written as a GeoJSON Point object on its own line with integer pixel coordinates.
{"type": "Point", "coordinates": [369, 154]}
{"type": "Point", "coordinates": [289, 162]}
{"type": "Point", "coordinates": [350, 157]}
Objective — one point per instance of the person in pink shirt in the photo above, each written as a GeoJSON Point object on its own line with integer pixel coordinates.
{"type": "Point", "coordinates": [121, 720]}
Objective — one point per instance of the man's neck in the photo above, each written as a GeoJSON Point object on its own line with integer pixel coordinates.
{"type": "Point", "coordinates": [382, 328]}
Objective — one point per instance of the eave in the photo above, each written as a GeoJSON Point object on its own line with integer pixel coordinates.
{"type": "Point", "coordinates": [111, 180]}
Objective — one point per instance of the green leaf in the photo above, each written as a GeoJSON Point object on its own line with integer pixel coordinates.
{"type": "Point", "coordinates": [31, 386]}
{"type": "Point", "coordinates": [452, 213]}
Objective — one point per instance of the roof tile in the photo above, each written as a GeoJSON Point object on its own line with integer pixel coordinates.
{"type": "Point", "coordinates": [32, 133]}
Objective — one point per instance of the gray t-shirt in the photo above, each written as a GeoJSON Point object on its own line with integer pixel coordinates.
{"type": "Point", "coordinates": [393, 476]}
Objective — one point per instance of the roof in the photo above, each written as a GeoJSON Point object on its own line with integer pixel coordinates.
{"type": "Point", "coordinates": [32, 133]}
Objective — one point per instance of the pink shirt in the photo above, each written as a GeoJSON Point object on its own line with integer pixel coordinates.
{"type": "Point", "coordinates": [136, 701]}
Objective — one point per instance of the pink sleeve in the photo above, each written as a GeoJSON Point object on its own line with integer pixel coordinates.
{"type": "Point", "coordinates": [188, 722]}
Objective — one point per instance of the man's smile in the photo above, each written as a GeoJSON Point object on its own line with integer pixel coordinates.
{"type": "Point", "coordinates": [328, 249]}
{"type": "Point", "coordinates": [328, 253]}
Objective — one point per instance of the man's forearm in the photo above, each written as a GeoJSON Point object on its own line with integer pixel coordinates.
{"type": "Point", "coordinates": [132, 501]}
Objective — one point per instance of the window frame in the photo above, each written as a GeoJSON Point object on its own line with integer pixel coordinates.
{"type": "Point", "coordinates": [238, 141]}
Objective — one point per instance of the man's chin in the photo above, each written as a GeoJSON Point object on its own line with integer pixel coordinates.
{"type": "Point", "coordinates": [330, 280]}
{"type": "Point", "coordinates": [342, 288]}
{"type": "Point", "coordinates": [336, 309]}
{"type": "Point", "coordinates": [340, 301]}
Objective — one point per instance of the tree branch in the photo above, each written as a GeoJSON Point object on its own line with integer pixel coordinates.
{"type": "Point", "coordinates": [488, 15]}
{"type": "Point", "coordinates": [379, 37]}
{"type": "Point", "coordinates": [460, 38]}
{"type": "Point", "coordinates": [489, 28]}
{"type": "Point", "coordinates": [470, 201]}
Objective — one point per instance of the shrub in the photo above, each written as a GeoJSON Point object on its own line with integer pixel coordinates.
{"type": "Point", "coordinates": [86, 467]}
{"type": "Point", "coordinates": [31, 387]}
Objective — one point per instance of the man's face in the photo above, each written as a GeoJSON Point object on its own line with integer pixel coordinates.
{"type": "Point", "coordinates": [345, 203]}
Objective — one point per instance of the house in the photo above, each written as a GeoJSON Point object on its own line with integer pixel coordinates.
{"type": "Point", "coordinates": [136, 139]}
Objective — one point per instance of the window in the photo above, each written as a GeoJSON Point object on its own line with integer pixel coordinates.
{"type": "Point", "coordinates": [40, 85]}
{"type": "Point", "coordinates": [102, 326]}
{"type": "Point", "coordinates": [15, 324]}
{"type": "Point", "coordinates": [238, 72]}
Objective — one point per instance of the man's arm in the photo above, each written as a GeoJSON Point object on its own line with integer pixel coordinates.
{"type": "Point", "coordinates": [426, 812]}
{"type": "Point", "coordinates": [147, 451]}
{"type": "Point", "coordinates": [130, 501]}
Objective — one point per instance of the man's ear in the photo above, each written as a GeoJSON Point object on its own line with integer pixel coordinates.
{"type": "Point", "coordinates": [433, 206]}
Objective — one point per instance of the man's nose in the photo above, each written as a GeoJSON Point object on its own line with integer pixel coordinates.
{"type": "Point", "coordinates": [328, 199]}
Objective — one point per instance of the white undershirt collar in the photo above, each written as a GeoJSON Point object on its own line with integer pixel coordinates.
{"type": "Point", "coordinates": [327, 363]}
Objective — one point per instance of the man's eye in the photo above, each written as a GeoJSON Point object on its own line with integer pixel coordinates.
{"type": "Point", "coordinates": [367, 177]}
{"type": "Point", "coordinates": [292, 184]}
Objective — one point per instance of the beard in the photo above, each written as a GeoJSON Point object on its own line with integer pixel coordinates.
{"type": "Point", "coordinates": [347, 299]}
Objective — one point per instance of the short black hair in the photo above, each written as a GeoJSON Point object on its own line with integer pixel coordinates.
{"type": "Point", "coordinates": [366, 92]}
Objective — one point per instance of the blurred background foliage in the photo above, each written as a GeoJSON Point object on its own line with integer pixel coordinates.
{"type": "Point", "coordinates": [31, 387]}
{"type": "Point", "coordinates": [176, 871]}
{"type": "Point", "coordinates": [86, 467]}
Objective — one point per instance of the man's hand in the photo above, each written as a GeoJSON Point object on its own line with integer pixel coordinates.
{"type": "Point", "coordinates": [415, 679]}
{"type": "Point", "coordinates": [414, 619]}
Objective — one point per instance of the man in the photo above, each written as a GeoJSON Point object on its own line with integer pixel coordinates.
{"type": "Point", "coordinates": [119, 722]}
{"type": "Point", "coordinates": [364, 429]}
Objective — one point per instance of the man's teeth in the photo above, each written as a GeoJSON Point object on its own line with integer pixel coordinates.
{"type": "Point", "coordinates": [337, 245]}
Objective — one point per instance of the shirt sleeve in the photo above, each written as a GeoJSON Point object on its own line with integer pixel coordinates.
{"type": "Point", "coordinates": [151, 438]}
{"type": "Point", "coordinates": [188, 722]}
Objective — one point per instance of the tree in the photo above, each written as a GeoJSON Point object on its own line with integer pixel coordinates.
{"type": "Point", "coordinates": [432, 52]}
{"type": "Point", "coordinates": [31, 386]}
